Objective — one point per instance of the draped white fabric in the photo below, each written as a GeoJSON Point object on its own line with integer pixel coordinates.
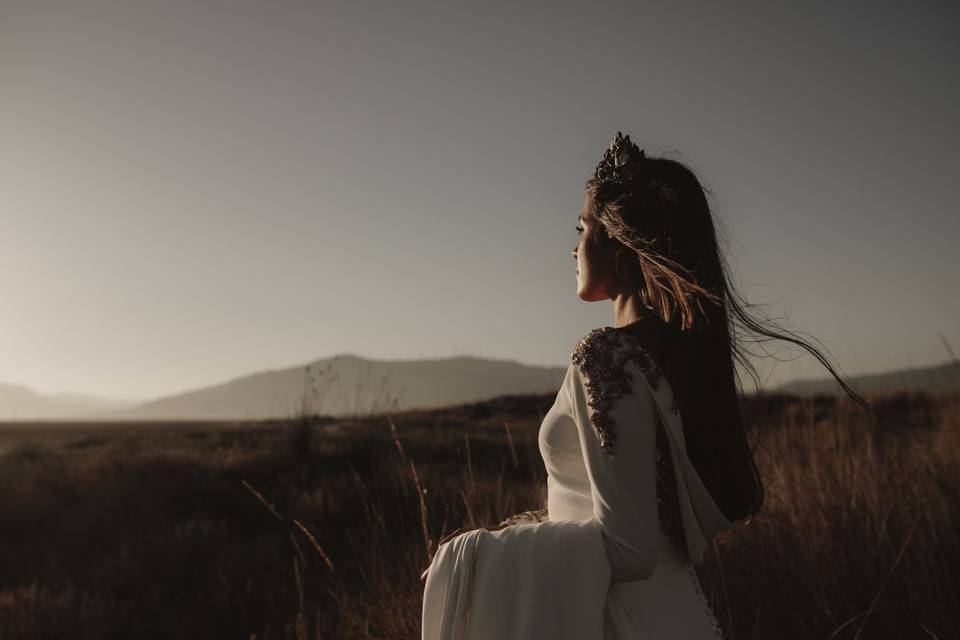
{"type": "Point", "coordinates": [520, 574]}
{"type": "Point", "coordinates": [599, 567]}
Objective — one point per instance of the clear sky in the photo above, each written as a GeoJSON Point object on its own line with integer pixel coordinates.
{"type": "Point", "coordinates": [194, 190]}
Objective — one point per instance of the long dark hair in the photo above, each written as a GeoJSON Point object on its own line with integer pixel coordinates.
{"type": "Point", "coordinates": [705, 321]}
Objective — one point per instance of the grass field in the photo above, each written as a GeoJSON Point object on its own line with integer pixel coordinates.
{"type": "Point", "coordinates": [315, 528]}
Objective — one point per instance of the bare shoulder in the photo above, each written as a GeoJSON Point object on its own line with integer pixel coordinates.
{"type": "Point", "coordinates": [601, 357]}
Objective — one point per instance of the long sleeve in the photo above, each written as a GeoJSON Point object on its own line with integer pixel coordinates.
{"type": "Point", "coordinates": [586, 571]}
{"type": "Point", "coordinates": [622, 483]}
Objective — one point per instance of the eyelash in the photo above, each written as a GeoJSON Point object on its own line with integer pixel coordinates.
{"type": "Point", "coordinates": [579, 230]}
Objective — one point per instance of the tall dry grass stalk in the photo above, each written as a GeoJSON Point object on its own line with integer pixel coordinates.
{"type": "Point", "coordinates": [421, 492]}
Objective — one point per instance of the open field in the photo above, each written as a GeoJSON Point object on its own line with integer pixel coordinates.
{"type": "Point", "coordinates": [315, 528]}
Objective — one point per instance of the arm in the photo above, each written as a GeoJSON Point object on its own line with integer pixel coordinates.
{"type": "Point", "coordinates": [547, 579]}
{"type": "Point", "coordinates": [622, 483]}
{"type": "Point", "coordinates": [550, 579]}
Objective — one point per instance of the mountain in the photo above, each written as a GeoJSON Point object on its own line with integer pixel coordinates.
{"type": "Point", "coordinates": [942, 378]}
{"type": "Point", "coordinates": [350, 385]}
{"type": "Point", "coordinates": [18, 402]}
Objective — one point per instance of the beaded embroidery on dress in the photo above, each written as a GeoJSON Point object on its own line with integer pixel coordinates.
{"type": "Point", "coordinates": [601, 356]}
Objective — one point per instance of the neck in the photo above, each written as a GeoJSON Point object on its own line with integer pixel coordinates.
{"type": "Point", "coordinates": [628, 309]}
{"type": "Point", "coordinates": [630, 315]}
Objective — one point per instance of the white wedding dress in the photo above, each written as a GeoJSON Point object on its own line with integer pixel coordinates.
{"type": "Point", "coordinates": [628, 519]}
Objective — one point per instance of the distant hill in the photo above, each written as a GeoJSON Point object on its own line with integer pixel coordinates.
{"type": "Point", "coordinates": [350, 385]}
{"type": "Point", "coordinates": [18, 402]}
{"type": "Point", "coordinates": [938, 379]}
{"type": "Point", "coordinates": [346, 385]}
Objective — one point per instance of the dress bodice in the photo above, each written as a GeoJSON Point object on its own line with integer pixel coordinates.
{"type": "Point", "coordinates": [569, 494]}
{"type": "Point", "coordinates": [606, 563]}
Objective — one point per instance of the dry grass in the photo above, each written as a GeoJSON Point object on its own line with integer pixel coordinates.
{"type": "Point", "coordinates": [320, 529]}
{"type": "Point", "coordinates": [858, 534]}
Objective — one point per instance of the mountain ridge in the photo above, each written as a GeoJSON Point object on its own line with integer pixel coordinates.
{"type": "Point", "coordinates": [347, 384]}
{"type": "Point", "coordinates": [339, 385]}
{"type": "Point", "coordinates": [942, 378]}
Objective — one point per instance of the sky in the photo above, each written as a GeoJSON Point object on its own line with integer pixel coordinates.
{"type": "Point", "coordinates": [193, 190]}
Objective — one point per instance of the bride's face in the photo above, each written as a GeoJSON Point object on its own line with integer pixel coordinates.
{"type": "Point", "coordinates": [594, 256]}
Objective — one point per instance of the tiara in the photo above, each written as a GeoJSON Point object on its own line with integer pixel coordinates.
{"type": "Point", "coordinates": [619, 160]}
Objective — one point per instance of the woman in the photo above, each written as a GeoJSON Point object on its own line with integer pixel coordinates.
{"type": "Point", "coordinates": [645, 450]}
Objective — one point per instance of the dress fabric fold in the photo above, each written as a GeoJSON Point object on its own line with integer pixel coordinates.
{"type": "Point", "coordinates": [519, 575]}
{"type": "Point", "coordinates": [600, 567]}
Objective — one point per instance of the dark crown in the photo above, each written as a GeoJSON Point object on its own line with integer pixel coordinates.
{"type": "Point", "coordinates": [619, 161]}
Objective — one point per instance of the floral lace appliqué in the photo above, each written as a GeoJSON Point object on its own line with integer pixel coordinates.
{"type": "Point", "coordinates": [668, 502]}
{"type": "Point", "coordinates": [601, 357]}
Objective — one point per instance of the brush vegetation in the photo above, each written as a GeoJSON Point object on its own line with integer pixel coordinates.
{"type": "Point", "coordinates": [320, 528]}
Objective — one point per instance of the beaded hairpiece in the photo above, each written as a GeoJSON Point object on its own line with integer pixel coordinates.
{"type": "Point", "coordinates": [619, 162]}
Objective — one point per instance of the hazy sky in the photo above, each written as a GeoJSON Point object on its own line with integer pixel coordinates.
{"type": "Point", "coordinates": [194, 190]}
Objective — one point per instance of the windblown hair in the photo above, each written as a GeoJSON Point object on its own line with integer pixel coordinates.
{"type": "Point", "coordinates": [663, 216]}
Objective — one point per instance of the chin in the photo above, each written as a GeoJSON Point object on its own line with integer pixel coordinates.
{"type": "Point", "coordinates": [588, 295]}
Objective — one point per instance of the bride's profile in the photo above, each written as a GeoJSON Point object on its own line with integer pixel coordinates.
{"type": "Point", "coordinates": [645, 449]}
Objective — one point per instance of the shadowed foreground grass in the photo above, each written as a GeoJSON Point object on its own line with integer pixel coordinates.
{"type": "Point", "coordinates": [319, 529]}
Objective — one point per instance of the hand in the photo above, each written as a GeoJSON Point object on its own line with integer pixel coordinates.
{"type": "Point", "coordinates": [527, 517]}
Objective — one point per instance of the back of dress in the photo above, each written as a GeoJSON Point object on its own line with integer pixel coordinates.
{"type": "Point", "coordinates": [616, 402]}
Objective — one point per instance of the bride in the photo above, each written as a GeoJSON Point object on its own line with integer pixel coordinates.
{"type": "Point", "coordinates": [646, 454]}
